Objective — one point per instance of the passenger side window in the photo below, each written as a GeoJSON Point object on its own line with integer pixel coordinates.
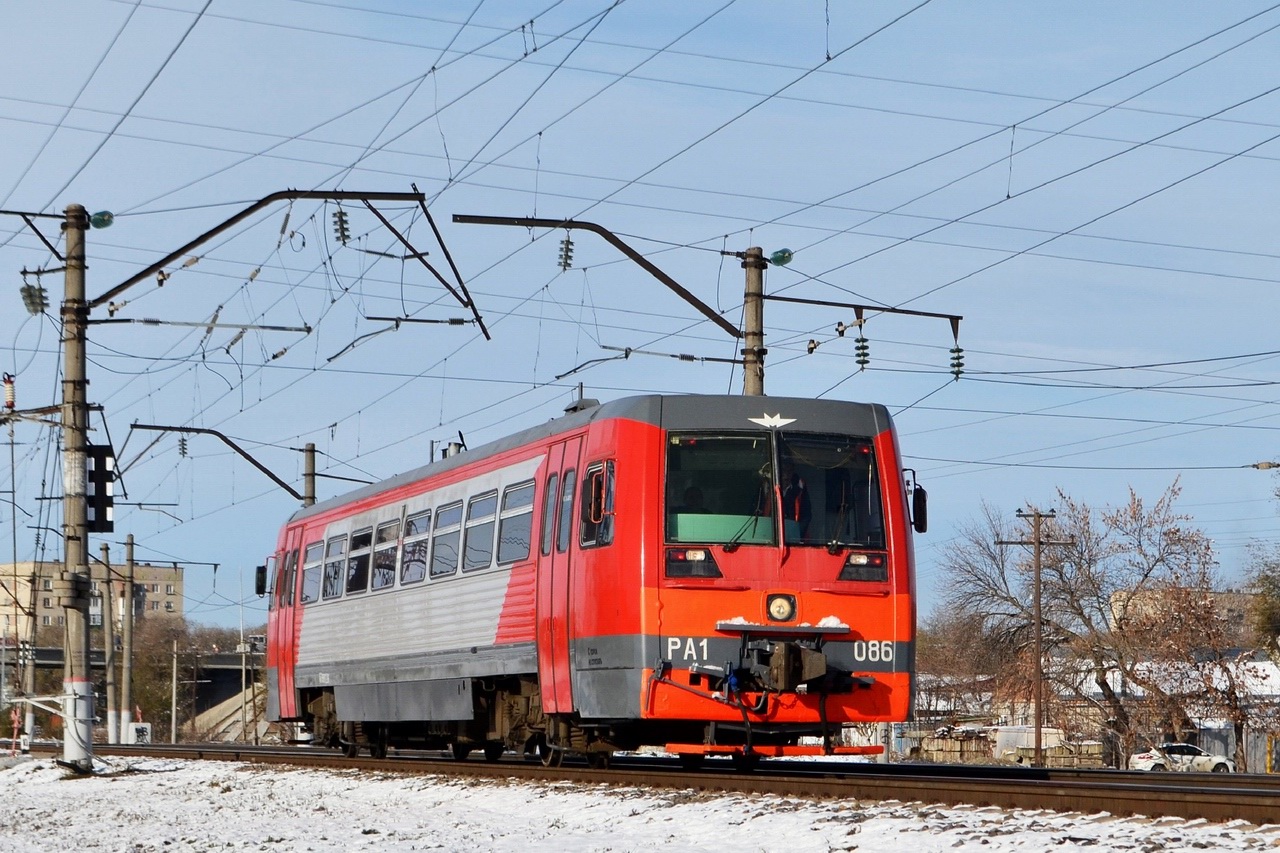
{"type": "Point", "coordinates": [413, 567]}
{"type": "Point", "coordinates": [358, 564]}
{"type": "Point", "coordinates": [313, 556]}
{"type": "Point", "coordinates": [384, 555]}
{"type": "Point", "coordinates": [515, 526]}
{"type": "Point", "coordinates": [596, 524]}
{"type": "Point", "coordinates": [333, 554]}
{"type": "Point", "coordinates": [444, 542]}
{"type": "Point", "coordinates": [478, 542]}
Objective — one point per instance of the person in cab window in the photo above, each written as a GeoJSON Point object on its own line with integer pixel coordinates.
{"type": "Point", "coordinates": [693, 501]}
{"type": "Point", "coordinates": [795, 498]}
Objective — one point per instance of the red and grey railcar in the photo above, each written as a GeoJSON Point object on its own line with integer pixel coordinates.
{"type": "Point", "coordinates": [711, 574]}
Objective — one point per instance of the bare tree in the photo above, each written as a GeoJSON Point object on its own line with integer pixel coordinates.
{"type": "Point", "coordinates": [1196, 653]}
{"type": "Point", "coordinates": [1091, 590]}
{"type": "Point", "coordinates": [960, 664]}
{"type": "Point", "coordinates": [1264, 612]}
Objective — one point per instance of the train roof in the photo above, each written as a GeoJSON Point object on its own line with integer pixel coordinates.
{"type": "Point", "coordinates": [672, 412]}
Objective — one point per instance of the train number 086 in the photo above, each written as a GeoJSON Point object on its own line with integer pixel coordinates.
{"type": "Point", "coordinates": [873, 650]}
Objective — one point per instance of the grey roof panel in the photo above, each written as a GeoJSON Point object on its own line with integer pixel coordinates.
{"type": "Point", "coordinates": [678, 412]}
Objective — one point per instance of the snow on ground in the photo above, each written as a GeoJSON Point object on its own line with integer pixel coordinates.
{"type": "Point", "coordinates": [160, 805]}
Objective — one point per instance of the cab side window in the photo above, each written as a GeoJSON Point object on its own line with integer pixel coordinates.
{"type": "Point", "coordinates": [596, 524]}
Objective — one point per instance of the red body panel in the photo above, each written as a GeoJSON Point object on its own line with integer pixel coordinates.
{"type": "Point", "coordinates": [620, 592]}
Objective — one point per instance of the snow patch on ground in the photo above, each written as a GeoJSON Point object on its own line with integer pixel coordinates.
{"type": "Point", "coordinates": [154, 805]}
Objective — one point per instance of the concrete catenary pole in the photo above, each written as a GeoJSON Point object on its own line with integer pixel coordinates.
{"type": "Point", "coordinates": [29, 668]}
{"type": "Point", "coordinates": [77, 684]}
{"type": "Point", "coordinates": [753, 323]}
{"type": "Point", "coordinates": [109, 644]}
{"type": "Point", "coordinates": [309, 474]}
{"type": "Point", "coordinates": [126, 651]}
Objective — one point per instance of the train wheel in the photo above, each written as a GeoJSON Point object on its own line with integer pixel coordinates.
{"type": "Point", "coordinates": [493, 751]}
{"type": "Point", "coordinates": [460, 750]}
{"type": "Point", "coordinates": [548, 756]}
{"type": "Point", "coordinates": [599, 760]}
{"type": "Point", "coordinates": [351, 750]}
{"type": "Point", "coordinates": [378, 749]}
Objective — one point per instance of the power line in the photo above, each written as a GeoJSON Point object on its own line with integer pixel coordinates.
{"type": "Point", "coordinates": [154, 77]}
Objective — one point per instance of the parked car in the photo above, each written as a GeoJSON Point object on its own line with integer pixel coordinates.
{"type": "Point", "coordinates": [1181, 756]}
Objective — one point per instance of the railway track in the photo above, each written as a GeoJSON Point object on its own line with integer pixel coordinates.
{"type": "Point", "coordinates": [1213, 797]}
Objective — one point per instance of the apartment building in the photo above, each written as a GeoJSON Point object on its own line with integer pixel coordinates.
{"type": "Point", "coordinates": [157, 594]}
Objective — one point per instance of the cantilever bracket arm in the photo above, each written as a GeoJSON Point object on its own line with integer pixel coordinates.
{"type": "Point", "coordinates": [229, 443]}
{"type": "Point", "coordinates": [284, 195]}
{"type": "Point", "coordinates": [464, 298]}
{"type": "Point", "coordinates": [615, 241]}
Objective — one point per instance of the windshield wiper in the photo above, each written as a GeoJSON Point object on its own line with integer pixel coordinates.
{"type": "Point", "coordinates": [735, 541]}
{"type": "Point", "coordinates": [834, 544]}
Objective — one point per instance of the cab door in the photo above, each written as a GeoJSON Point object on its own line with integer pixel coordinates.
{"type": "Point", "coordinates": [285, 625]}
{"type": "Point", "coordinates": [555, 564]}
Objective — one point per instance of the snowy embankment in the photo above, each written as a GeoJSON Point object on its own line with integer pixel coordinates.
{"type": "Point", "coordinates": [154, 805]}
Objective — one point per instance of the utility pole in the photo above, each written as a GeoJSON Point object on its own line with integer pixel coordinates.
{"type": "Point", "coordinates": [753, 323]}
{"type": "Point", "coordinates": [173, 698]}
{"type": "Point", "coordinates": [77, 685]}
{"type": "Point", "coordinates": [126, 629]}
{"type": "Point", "coordinates": [1037, 544]}
{"type": "Point", "coordinates": [109, 645]}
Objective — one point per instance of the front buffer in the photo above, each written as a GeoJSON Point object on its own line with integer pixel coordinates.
{"type": "Point", "coordinates": [762, 687]}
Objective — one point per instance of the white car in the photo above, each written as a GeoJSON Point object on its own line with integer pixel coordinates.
{"type": "Point", "coordinates": [1181, 756]}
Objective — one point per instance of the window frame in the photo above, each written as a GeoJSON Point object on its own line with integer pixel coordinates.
{"type": "Point", "coordinates": [564, 516]}
{"type": "Point", "coordinates": [443, 531]}
{"type": "Point", "coordinates": [338, 560]}
{"type": "Point", "coordinates": [285, 595]}
{"type": "Point", "coordinates": [472, 525]}
{"type": "Point", "coordinates": [381, 545]}
{"type": "Point", "coordinates": [597, 514]}
{"type": "Point", "coordinates": [359, 561]}
{"type": "Point", "coordinates": [550, 503]}
{"type": "Point", "coordinates": [309, 565]}
{"type": "Point", "coordinates": [507, 514]}
{"type": "Point", "coordinates": [414, 541]}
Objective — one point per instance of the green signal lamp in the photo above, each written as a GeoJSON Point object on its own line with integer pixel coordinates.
{"type": "Point", "coordinates": [781, 258]}
{"type": "Point", "coordinates": [102, 219]}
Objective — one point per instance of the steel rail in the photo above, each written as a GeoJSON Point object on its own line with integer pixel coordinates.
{"type": "Point", "coordinates": [1212, 797]}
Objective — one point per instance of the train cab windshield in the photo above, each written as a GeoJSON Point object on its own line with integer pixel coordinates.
{"type": "Point", "coordinates": [731, 488]}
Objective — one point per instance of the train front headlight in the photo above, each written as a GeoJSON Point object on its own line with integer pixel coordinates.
{"type": "Point", "coordinates": [691, 563]}
{"type": "Point", "coordinates": [860, 566]}
{"type": "Point", "coordinates": [782, 608]}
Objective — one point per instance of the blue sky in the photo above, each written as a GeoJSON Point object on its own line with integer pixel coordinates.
{"type": "Point", "coordinates": [1091, 185]}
